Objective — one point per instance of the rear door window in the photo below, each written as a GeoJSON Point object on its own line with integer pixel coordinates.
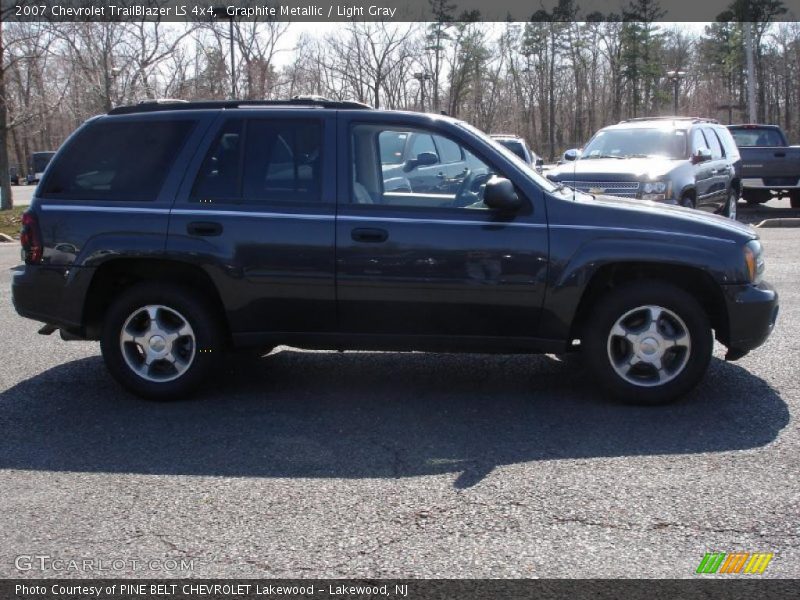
{"type": "Point", "coordinates": [713, 143]}
{"type": "Point", "coordinates": [698, 141]}
{"type": "Point", "coordinates": [219, 177]}
{"type": "Point", "coordinates": [261, 161]}
{"type": "Point", "coordinates": [117, 160]}
{"type": "Point", "coordinates": [283, 161]}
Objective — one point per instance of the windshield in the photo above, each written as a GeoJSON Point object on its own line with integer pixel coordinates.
{"type": "Point", "coordinates": [636, 143]}
{"type": "Point", "coordinates": [532, 172]}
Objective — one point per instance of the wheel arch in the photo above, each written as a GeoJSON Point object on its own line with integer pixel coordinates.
{"type": "Point", "coordinates": [114, 276]}
{"type": "Point", "coordinates": [694, 280]}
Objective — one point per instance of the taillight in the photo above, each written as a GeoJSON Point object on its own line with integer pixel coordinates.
{"type": "Point", "coordinates": [30, 239]}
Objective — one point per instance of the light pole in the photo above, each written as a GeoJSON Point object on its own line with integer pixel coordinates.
{"type": "Point", "coordinates": [675, 77]}
{"type": "Point", "coordinates": [422, 77]}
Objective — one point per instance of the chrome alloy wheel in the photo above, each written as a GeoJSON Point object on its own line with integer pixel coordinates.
{"type": "Point", "coordinates": [649, 346]}
{"type": "Point", "coordinates": [158, 343]}
{"type": "Point", "coordinates": [733, 200]}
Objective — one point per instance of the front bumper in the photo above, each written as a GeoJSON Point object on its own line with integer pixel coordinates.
{"type": "Point", "coordinates": [752, 310]}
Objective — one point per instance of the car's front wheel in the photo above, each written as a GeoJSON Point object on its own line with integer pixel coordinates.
{"type": "Point", "coordinates": [730, 207]}
{"type": "Point", "coordinates": [160, 341]}
{"type": "Point", "coordinates": [687, 201]}
{"type": "Point", "coordinates": [648, 342]}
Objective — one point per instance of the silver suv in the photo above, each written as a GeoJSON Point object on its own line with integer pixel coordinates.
{"type": "Point", "coordinates": [690, 162]}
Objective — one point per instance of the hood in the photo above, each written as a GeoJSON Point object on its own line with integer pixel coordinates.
{"type": "Point", "coordinates": [667, 216]}
{"type": "Point", "coordinates": [636, 168]}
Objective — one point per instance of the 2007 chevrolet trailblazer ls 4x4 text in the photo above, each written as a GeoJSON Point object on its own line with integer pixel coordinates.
{"type": "Point", "coordinates": [174, 231]}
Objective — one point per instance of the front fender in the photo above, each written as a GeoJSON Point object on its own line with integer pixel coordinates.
{"type": "Point", "coordinates": [569, 279]}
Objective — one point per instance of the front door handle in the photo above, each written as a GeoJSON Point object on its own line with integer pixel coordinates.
{"type": "Point", "coordinates": [204, 228]}
{"type": "Point", "coordinates": [369, 235]}
{"type": "Point", "coordinates": [780, 154]}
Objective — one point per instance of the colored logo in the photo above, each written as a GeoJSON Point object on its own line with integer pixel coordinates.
{"type": "Point", "coordinates": [737, 562]}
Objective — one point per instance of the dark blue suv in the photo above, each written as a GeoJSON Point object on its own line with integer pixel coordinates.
{"type": "Point", "coordinates": [173, 232]}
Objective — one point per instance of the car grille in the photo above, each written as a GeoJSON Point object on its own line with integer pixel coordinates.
{"type": "Point", "coordinates": [610, 188]}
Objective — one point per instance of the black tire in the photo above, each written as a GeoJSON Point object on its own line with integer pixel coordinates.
{"type": "Point", "coordinates": [687, 201]}
{"type": "Point", "coordinates": [731, 204]}
{"type": "Point", "coordinates": [794, 198]}
{"type": "Point", "coordinates": [626, 298]}
{"type": "Point", "coordinates": [206, 340]}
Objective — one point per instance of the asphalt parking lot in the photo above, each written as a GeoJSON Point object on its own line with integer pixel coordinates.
{"type": "Point", "coordinates": [317, 464]}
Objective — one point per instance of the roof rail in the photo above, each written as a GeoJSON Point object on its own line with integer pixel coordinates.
{"type": "Point", "coordinates": [170, 104]}
{"type": "Point", "coordinates": [692, 119]}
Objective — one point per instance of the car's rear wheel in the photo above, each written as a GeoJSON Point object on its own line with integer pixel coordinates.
{"type": "Point", "coordinates": [160, 341]}
{"type": "Point", "coordinates": [794, 198]}
{"type": "Point", "coordinates": [648, 342]}
{"type": "Point", "coordinates": [730, 207]}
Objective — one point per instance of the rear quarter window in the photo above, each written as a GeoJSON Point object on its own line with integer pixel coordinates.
{"type": "Point", "coordinates": [117, 160]}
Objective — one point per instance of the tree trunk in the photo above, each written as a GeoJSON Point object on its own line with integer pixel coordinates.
{"type": "Point", "coordinates": [5, 182]}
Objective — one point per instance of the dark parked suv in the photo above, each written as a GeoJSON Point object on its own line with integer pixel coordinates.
{"type": "Point", "coordinates": [675, 160]}
{"type": "Point", "coordinates": [174, 232]}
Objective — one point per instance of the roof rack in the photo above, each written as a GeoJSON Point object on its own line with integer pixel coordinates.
{"type": "Point", "coordinates": [170, 104]}
{"type": "Point", "coordinates": [692, 119]}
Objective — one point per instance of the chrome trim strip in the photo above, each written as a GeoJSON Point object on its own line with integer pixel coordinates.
{"type": "Point", "coordinates": [361, 219]}
{"type": "Point", "coordinates": [243, 213]}
{"type": "Point", "coordinates": [116, 209]}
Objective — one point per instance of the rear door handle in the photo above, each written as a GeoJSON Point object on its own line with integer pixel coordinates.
{"type": "Point", "coordinates": [369, 235]}
{"type": "Point", "coordinates": [205, 228]}
{"type": "Point", "coordinates": [780, 154]}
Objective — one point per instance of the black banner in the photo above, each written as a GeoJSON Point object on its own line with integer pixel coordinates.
{"type": "Point", "coordinates": [388, 10]}
{"type": "Point", "coordinates": [460, 589]}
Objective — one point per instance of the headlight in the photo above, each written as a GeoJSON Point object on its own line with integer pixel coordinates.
{"type": "Point", "coordinates": [654, 187]}
{"type": "Point", "coordinates": [754, 260]}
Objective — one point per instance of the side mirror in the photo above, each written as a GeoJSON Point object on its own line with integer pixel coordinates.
{"type": "Point", "coordinates": [424, 159]}
{"type": "Point", "coordinates": [539, 163]}
{"type": "Point", "coordinates": [499, 194]}
{"type": "Point", "coordinates": [703, 155]}
{"type": "Point", "coordinates": [572, 154]}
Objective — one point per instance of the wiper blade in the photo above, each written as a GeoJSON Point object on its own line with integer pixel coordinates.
{"type": "Point", "coordinates": [602, 156]}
